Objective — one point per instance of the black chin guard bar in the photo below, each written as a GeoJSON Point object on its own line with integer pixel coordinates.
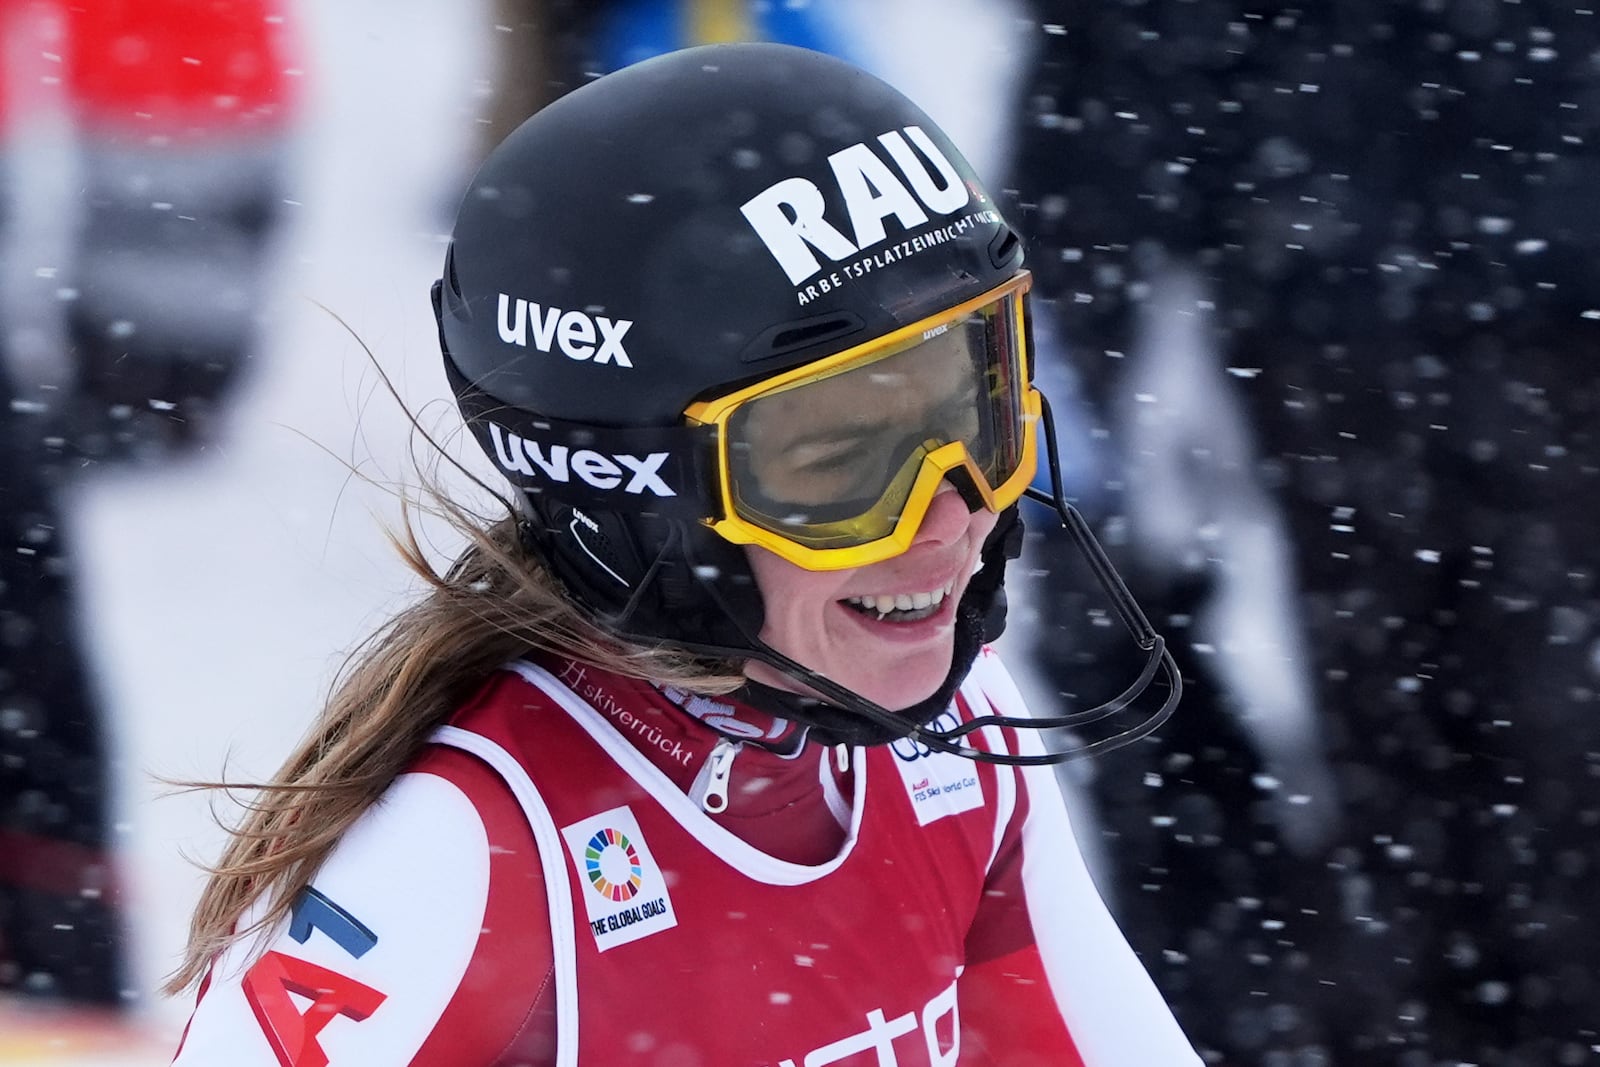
{"type": "Point", "coordinates": [1122, 601]}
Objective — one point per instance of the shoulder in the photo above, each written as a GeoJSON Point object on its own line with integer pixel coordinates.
{"type": "Point", "coordinates": [512, 688]}
{"type": "Point", "coordinates": [392, 931]}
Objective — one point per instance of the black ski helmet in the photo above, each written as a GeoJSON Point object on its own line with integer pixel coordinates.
{"type": "Point", "coordinates": [672, 231]}
{"type": "Point", "coordinates": [697, 199]}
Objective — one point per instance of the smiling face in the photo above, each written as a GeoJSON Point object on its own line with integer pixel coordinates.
{"type": "Point", "coordinates": [849, 446]}
{"type": "Point", "coordinates": [822, 619]}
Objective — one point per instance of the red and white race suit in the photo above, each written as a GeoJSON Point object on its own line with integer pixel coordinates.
{"type": "Point", "coordinates": [547, 886]}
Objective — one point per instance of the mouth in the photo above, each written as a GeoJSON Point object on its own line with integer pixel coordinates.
{"type": "Point", "coordinates": [901, 607]}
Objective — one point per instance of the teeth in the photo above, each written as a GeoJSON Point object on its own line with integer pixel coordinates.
{"type": "Point", "coordinates": [885, 603]}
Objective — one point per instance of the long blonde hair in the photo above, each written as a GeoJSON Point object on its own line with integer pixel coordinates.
{"type": "Point", "coordinates": [493, 604]}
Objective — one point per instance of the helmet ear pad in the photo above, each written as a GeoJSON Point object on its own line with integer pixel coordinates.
{"type": "Point", "coordinates": [647, 576]}
{"type": "Point", "coordinates": [595, 558]}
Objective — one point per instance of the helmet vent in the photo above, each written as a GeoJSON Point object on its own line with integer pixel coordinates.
{"type": "Point", "coordinates": [811, 334]}
{"type": "Point", "coordinates": [1004, 248]}
{"type": "Point", "coordinates": [790, 337]}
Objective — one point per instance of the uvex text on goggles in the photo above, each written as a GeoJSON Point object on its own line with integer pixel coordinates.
{"type": "Point", "coordinates": [830, 465]}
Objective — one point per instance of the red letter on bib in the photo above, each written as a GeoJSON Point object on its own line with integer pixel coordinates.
{"type": "Point", "coordinates": [293, 1035]}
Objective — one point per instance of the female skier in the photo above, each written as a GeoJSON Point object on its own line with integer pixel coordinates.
{"type": "Point", "coordinates": [698, 755]}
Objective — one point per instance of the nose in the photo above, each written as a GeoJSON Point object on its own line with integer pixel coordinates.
{"type": "Point", "coordinates": [946, 519]}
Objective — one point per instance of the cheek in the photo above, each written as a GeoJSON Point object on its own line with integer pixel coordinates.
{"type": "Point", "coordinates": [979, 526]}
{"type": "Point", "coordinates": [983, 524]}
{"type": "Point", "coordinates": [795, 601]}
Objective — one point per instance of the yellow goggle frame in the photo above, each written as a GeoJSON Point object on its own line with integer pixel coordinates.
{"type": "Point", "coordinates": [912, 489]}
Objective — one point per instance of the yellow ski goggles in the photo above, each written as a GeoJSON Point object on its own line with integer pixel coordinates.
{"type": "Point", "coordinates": [834, 464]}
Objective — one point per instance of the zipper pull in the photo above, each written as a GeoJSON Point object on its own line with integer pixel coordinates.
{"type": "Point", "coordinates": [716, 775]}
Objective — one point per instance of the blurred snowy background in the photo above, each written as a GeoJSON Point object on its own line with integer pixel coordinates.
{"type": "Point", "coordinates": [1319, 312]}
{"type": "Point", "coordinates": [218, 588]}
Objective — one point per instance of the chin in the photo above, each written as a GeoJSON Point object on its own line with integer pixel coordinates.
{"type": "Point", "coordinates": [898, 691]}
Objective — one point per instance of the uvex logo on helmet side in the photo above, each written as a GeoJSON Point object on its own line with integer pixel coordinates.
{"type": "Point", "coordinates": [574, 332]}
{"type": "Point", "coordinates": [788, 216]}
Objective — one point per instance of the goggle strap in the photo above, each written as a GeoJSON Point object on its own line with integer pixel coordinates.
{"type": "Point", "coordinates": [634, 469]}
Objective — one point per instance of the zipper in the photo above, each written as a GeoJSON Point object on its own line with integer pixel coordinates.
{"type": "Point", "coordinates": [710, 789]}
